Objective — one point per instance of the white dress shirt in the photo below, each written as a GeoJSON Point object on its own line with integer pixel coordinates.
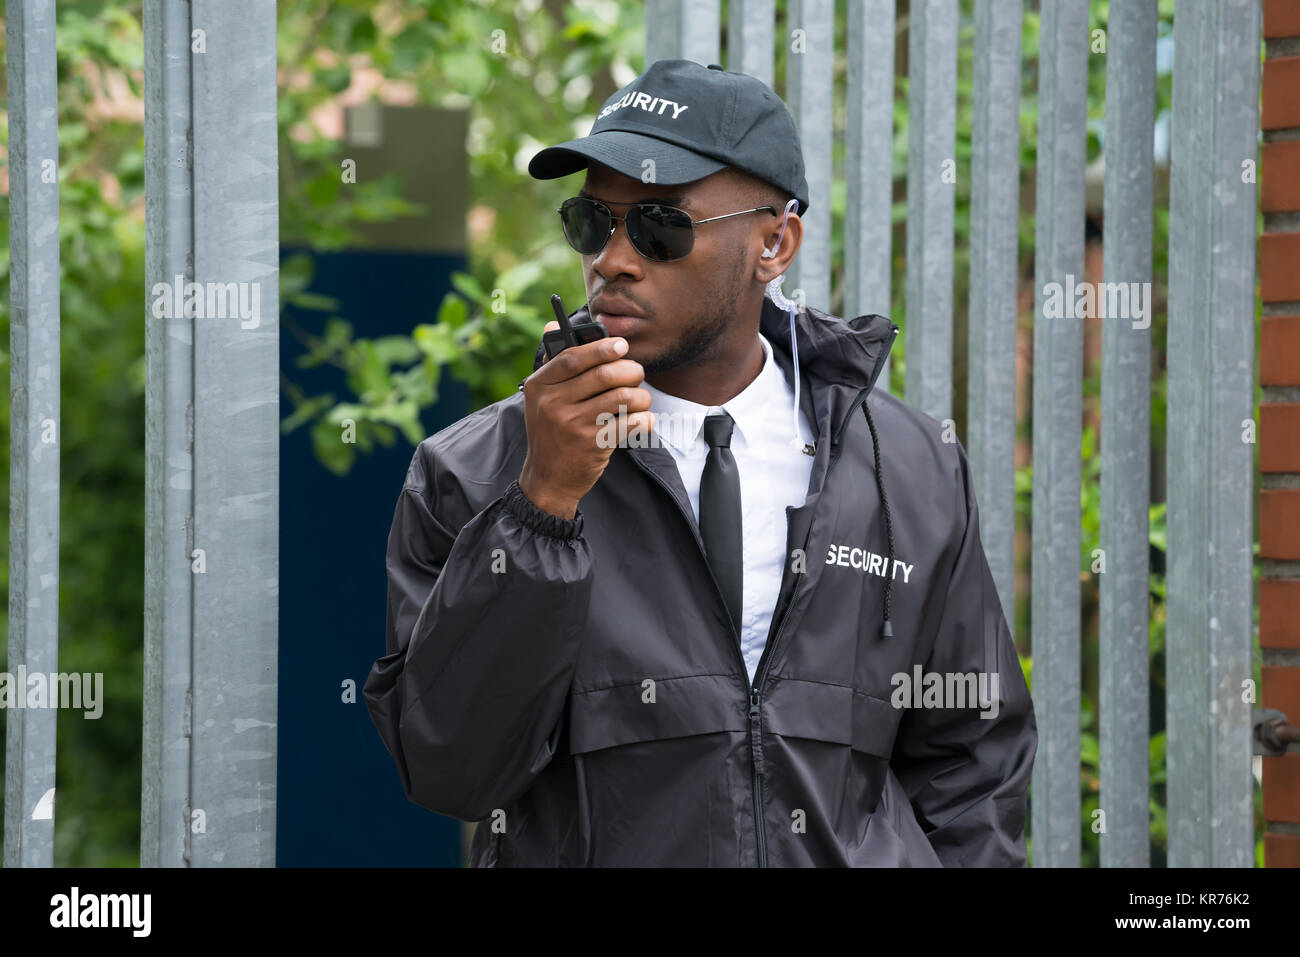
{"type": "Point", "coordinates": [773, 475]}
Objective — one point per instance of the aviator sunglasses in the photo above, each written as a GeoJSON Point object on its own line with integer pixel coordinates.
{"type": "Point", "coordinates": [660, 233]}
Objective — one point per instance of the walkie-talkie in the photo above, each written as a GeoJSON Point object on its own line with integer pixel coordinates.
{"type": "Point", "coordinates": [578, 333]}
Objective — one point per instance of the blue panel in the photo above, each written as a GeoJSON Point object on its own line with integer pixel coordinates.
{"type": "Point", "coordinates": [340, 797]}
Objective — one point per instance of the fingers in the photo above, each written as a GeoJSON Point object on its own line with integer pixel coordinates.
{"type": "Point", "coordinates": [622, 399]}
{"type": "Point", "coordinates": [578, 359]}
{"type": "Point", "coordinates": [624, 374]}
{"type": "Point", "coordinates": [549, 327]}
{"type": "Point", "coordinates": [636, 429]}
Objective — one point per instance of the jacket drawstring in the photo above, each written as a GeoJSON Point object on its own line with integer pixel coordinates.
{"type": "Point", "coordinates": [887, 626]}
{"type": "Point", "coordinates": [774, 291]}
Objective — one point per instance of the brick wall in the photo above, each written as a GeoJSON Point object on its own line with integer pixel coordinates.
{"type": "Point", "coordinates": [1279, 418]}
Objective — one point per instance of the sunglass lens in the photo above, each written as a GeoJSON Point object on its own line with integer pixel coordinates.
{"type": "Point", "coordinates": [661, 232]}
{"type": "Point", "coordinates": [586, 225]}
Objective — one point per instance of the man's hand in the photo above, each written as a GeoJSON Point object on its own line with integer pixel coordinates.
{"type": "Point", "coordinates": [563, 401]}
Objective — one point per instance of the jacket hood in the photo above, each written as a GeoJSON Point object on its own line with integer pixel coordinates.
{"type": "Point", "coordinates": [834, 350]}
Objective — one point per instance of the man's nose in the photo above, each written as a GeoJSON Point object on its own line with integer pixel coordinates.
{"type": "Point", "coordinates": [618, 257]}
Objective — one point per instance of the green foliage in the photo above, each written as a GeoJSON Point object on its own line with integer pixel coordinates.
{"type": "Point", "coordinates": [529, 74]}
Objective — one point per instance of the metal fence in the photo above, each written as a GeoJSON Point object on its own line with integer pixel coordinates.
{"type": "Point", "coordinates": [212, 447]}
{"type": "Point", "coordinates": [1211, 343]}
{"type": "Point", "coordinates": [212, 399]}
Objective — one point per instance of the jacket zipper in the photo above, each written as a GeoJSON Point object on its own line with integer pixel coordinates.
{"type": "Point", "coordinates": [765, 661]}
{"type": "Point", "coordinates": [755, 740]}
{"type": "Point", "coordinates": [756, 753]}
{"type": "Point", "coordinates": [760, 680]}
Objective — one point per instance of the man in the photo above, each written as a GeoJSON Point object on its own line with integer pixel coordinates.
{"type": "Point", "coordinates": [693, 596]}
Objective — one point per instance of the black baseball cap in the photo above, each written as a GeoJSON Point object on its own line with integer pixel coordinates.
{"type": "Point", "coordinates": [692, 121]}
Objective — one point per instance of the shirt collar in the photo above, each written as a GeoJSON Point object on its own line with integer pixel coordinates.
{"type": "Point", "coordinates": [680, 422]}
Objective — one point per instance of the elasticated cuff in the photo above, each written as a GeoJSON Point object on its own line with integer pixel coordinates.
{"type": "Point", "coordinates": [540, 520]}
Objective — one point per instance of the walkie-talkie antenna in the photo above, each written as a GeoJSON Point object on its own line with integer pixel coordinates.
{"type": "Point", "coordinates": [570, 340]}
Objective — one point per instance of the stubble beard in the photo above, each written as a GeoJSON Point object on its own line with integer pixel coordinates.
{"type": "Point", "coordinates": [701, 341]}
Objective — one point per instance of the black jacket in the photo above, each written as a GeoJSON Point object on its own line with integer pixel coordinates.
{"type": "Point", "coordinates": [577, 686]}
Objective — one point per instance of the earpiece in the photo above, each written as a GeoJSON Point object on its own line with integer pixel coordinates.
{"type": "Point", "coordinates": [774, 292]}
{"type": "Point", "coordinates": [771, 253]}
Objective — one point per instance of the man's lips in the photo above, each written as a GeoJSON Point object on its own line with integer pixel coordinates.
{"type": "Point", "coordinates": [617, 325]}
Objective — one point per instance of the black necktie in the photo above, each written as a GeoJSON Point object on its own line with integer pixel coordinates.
{"type": "Point", "coordinates": [720, 525]}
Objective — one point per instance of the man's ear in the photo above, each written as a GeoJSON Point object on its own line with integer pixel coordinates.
{"type": "Point", "coordinates": [769, 267]}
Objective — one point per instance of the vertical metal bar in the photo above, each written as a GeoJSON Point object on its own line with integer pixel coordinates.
{"type": "Point", "coordinates": [869, 149]}
{"type": "Point", "coordinates": [994, 248]}
{"type": "Point", "coordinates": [931, 181]}
{"type": "Point", "coordinates": [1210, 403]}
{"type": "Point", "coordinates": [809, 77]}
{"type": "Point", "coordinates": [212, 620]}
{"type": "Point", "coordinates": [1058, 411]}
{"type": "Point", "coordinates": [751, 29]}
{"type": "Point", "coordinates": [701, 30]}
{"type": "Point", "coordinates": [236, 436]}
{"type": "Point", "coordinates": [662, 30]}
{"type": "Point", "coordinates": [169, 477]}
{"type": "Point", "coordinates": [1126, 434]}
{"type": "Point", "coordinates": [686, 29]}
{"type": "Point", "coordinates": [34, 425]}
